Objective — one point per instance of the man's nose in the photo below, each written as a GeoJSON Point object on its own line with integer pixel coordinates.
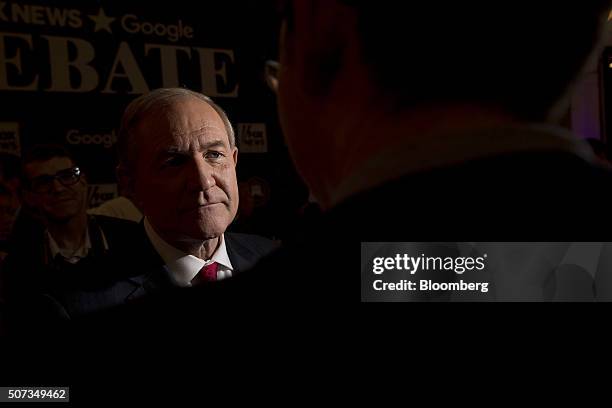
{"type": "Point", "coordinates": [202, 176]}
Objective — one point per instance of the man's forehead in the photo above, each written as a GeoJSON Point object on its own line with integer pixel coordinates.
{"type": "Point", "coordinates": [193, 139]}
{"type": "Point", "coordinates": [183, 121]}
{"type": "Point", "coordinates": [186, 111]}
{"type": "Point", "coordinates": [183, 139]}
{"type": "Point", "coordinates": [197, 129]}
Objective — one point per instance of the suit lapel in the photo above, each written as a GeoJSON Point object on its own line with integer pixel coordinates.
{"type": "Point", "coordinates": [153, 275]}
{"type": "Point", "coordinates": [237, 253]}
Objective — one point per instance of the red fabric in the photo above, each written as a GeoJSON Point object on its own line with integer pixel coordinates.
{"type": "Point", "coordinates": [208, 273]}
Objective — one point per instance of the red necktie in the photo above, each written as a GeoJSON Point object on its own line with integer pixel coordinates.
{"type": "Point", "coordinates": [208, 273]}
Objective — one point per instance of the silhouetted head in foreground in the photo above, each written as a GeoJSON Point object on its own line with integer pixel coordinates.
{"type": "Point", "coordinates": [357, 76]}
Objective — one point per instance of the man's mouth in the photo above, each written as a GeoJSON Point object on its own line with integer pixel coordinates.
{"type": "Point", "coordinates": [208, 206]}
{"type": "Point", "coordinates": [201, 206]}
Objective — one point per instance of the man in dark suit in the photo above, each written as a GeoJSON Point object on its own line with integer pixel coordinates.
{"type": "Point", "coordinates": [178, 161]}
{"type": "Point", "coordinates": [61, 261]}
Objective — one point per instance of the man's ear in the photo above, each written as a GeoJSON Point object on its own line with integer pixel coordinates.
{"type": "Point", "coordinates": [235, 156]}
{"type": "Point", "coordinates": [316, 38]}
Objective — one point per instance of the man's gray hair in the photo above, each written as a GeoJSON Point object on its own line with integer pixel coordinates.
{"type": "Point", "coordinates": [145, 104]}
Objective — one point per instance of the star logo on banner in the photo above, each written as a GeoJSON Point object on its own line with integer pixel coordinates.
{"type": "Point", "coordinates": [102, 21]}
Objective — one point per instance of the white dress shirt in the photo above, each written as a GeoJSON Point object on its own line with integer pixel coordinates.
{"type": "Point", "coordinates": [70, 255]}
{"type": "Point", "coordinates": [184, 267]}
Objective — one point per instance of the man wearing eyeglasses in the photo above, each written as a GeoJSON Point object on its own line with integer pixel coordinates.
{"type": "Point", "coordinates": [63, 266]}
{"type": "Point", "coordinates": [57, 189]}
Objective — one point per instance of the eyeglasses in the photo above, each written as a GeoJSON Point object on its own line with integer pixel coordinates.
{"type": "Point", "coordinates": [271, 73]}
{"type": "Point", "coordinates": [44, 184]}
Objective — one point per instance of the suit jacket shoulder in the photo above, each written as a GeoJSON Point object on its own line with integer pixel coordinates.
{"type": "Point", "coordinates": [245, 250]}
{"type": "Point", "coordinates": [117, 231]}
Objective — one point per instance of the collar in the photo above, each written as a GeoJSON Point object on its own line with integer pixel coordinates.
{"type": "Point", "coordinates": [184, 267]}
{"type": "Point", "coordinates": [70, 255]}
{"type": "Point", "coordinates": [447, 149]}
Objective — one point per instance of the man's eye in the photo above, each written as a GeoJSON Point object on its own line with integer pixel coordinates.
{"type": "Point", "coordinates": [213, 155]}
